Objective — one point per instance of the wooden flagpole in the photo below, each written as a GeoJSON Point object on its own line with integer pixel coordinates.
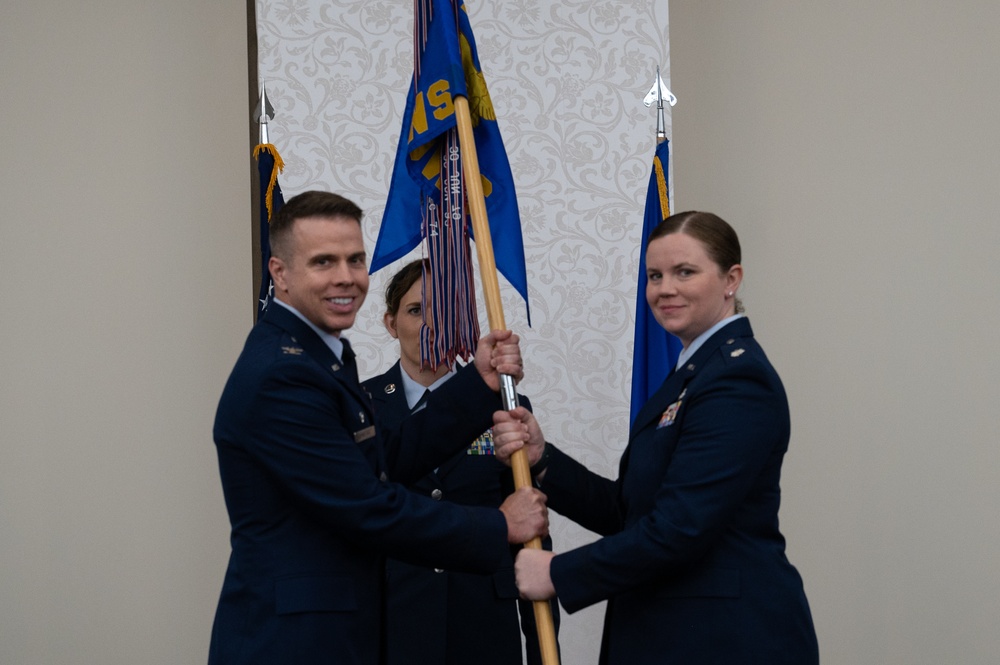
{"type": "Point", "coordinates": [494, 313]}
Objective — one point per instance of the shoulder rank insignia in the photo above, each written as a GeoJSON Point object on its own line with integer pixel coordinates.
{"type": "Point", "coordinates": [737, 353]}
{"type": "Point", "coordinates": [483, 445]}
{"type": "Point", "coordinates": [292, 350]}
{"type": "Point", "coordinates": [670, 415]}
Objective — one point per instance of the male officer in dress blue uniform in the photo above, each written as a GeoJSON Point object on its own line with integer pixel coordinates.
{"type": "Point", "coordinates": [310, 482]}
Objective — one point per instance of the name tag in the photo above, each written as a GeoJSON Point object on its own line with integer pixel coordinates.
{"type": "Point", "coordinates": [364, 434]}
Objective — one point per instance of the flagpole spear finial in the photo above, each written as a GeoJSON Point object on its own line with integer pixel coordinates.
{"type": "Point", "coordinates": [659, 93]}
{"type": "Point", "coordinates": [263, 113]}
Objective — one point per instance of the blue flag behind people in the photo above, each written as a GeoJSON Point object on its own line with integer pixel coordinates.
{"type": "Point", "coordinates": [446, 65]}
{"type": "Point", "coordinates": [269, 164]}
{"type": "Point", "coordinates": [656, 350]}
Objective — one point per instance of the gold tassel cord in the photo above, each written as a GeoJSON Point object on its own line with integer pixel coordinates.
{"type": "Point", "coordinates": [279, 166]}
{"type": "Point", "coordinates": [661, 185]}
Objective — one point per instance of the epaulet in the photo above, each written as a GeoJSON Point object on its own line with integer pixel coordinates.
{"type": "Point", "coordinates": [289, 346]}
{"type": "Point", "coordinates": [733, 348]}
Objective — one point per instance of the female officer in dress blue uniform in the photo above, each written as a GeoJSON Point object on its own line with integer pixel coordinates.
{"type": "Point", "coordinates": [436, 616]}
{"type": "Point", "coordinates": [692, 563]}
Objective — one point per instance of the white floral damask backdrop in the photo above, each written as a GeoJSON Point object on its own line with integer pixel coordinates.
{"type": "Point", "coordinates": [567, 79]}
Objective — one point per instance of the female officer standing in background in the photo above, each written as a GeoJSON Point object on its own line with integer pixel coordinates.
{"type": "Point", "coordinates": [433, 615]}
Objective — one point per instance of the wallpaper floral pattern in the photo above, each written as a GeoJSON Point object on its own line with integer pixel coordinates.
{"type": "Point", "coordinates": [567, 80]}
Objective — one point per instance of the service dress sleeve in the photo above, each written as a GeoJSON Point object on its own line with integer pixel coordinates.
{"type": "Point", "coordinates": [306, 435]}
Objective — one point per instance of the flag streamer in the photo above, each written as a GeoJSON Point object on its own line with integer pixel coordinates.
{"type": "Point", "coordinates": [453, 330]}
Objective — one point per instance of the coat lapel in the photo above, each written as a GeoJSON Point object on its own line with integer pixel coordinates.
{"type": "Point", "coordinates": [676, 382]}
{"type": "Point", "coordinates": [671, 388]}
{"type": "Point", "coordinates": [392, 408]}
{"type": "Point", "coordinates": [317, 349]}
{"type": "Point", "coordinates": [389, 396]}
{"type": "Point", "coordinates": [666, 393]}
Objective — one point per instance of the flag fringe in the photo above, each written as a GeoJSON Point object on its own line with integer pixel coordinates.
{"type": "Point", "coordinates": [279, 166]}
{"type": "Point", "coordinates": [661, 186]}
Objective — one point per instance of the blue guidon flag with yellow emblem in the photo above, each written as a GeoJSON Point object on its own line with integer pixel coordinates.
{"type": "Point", "coordinates": [655, 350]}
{"type": "Point", "coordinates": [427, 197]}
{"type": "Point", "coordinates": [269, 164]}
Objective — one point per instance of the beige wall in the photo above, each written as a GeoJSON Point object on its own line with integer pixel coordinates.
{"type": "Point", "coordinates": [855, 147]}
{"type": "Point", "coordinates": [125, 254]}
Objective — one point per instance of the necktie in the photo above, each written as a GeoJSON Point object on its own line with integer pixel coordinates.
{"type": "Point", "coordinates": [422, 402]}
{"type": "Point", "coordinates": [347, 358]}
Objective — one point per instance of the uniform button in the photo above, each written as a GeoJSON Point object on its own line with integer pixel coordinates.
{"type": "Point", "coordinates": [383, 476]}
{"type": "Point", "coordinates": [437, 494]}
{"type": "Point", "coordinates": [439, 570]}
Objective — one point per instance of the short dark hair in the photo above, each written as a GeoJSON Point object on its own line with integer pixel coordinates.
{"type": "Point", "coordinates": [401, 283]}
{"type": "Point", "coordinates": [720, 240]}
{"type": "Point", "coordinates": [307, 204]}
